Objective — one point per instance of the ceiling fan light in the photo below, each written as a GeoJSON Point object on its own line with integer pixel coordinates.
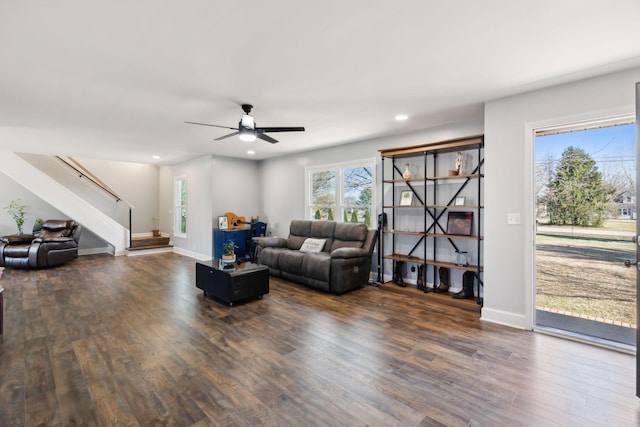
{"type": "Point", "coordinates": [247, 137]}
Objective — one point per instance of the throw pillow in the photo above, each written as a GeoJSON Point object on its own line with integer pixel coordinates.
{"type": "Point", "coordinates": [312, 245]}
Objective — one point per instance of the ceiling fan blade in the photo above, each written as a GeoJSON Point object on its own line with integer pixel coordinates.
{"type": "Point", "coordinates": [207, 124]}
{"type": "Point", "coordinates": [227, 136]}
{"type": "Point", "coordinates": [281, 129]}
{"type": "Point", "coordinates": [264, 137]}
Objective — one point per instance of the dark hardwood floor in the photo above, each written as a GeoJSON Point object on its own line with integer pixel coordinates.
{"type": "Point", "coordinates": [110, 341]}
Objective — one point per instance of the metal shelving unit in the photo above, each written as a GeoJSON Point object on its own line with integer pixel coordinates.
{"type": "Point", "coordinates": [417, 234]}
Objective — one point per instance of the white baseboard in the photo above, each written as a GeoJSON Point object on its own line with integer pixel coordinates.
{"type": "Point", "coordinates": [504, 318]}
{"type": "Point", "coordinates": [191, 254]}
{"type": "Point", "coordinates": [92, 251]}
{"type": "Point", "coordinates": [149, 251]}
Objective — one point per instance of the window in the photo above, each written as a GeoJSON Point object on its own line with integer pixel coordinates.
{"type": "Point", "coordinates": [180, 224]}
{"type": "Point", "coordinates": [342, 192]}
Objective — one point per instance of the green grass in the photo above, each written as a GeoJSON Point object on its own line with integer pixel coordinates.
{"type": "Point", "coordinates": [583, 241]}
{"type": "Point", "coordinates": [610, 224]}
{"type": "Point", "coordinates": [586, 276]}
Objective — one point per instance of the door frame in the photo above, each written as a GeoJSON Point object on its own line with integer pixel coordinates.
{"type": "Point", "coordinates": [609, 116]}
{"type": "Point", "coordinates": [637, 241]}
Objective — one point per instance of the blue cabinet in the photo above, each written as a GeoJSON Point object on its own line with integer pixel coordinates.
{"type": "Point", "coordinates": [238, 236]}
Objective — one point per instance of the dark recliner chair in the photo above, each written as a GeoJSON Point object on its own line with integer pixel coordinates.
{"type": "Point", "coordinates": [55, 244]}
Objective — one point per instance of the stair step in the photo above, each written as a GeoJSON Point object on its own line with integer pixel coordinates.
{"type": "Point", "coordinates": [137, 242]}
{"type": "Point", "coordinates": [142, 248]}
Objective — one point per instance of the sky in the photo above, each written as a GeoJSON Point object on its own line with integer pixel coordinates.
{"type": "Point", "coordinates": [613, 148]}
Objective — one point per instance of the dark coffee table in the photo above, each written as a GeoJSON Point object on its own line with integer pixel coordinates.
{"type": "Point", "coordinates": [242, 281]}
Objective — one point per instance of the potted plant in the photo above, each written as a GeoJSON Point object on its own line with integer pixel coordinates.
{"type": "Point", "coordinates": [37, 225]}
{"type": "Point", "coordinates": [229, 248]}
{"type": "Point", "coordinates": [18, 212]}
{"type": "Point", "coordinates": [156, 230]}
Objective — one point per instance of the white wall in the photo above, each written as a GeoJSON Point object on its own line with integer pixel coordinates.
{"type": "Point", "coordinates": [236, 188]}
{"type": "Point", "coordinates": [509, 153]}
{"type": "Point", "coordinates": [198, 172]}
{"type": "Point", "coordinates": [137, 183]}
{"type": "Point", "coordinates": [215, 186]}
{"type": "Point", "coordinates": [37, 208]}
{"type": "Point", "coordinates": [282, 179]}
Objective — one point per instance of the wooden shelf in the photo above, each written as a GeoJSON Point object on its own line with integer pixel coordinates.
{"type": "Point", "coordinates": [453, 236]}
{"type": "Point", "coordinates": [435, 147]}
{"type": "Point", "coordinates": [437, 191]}
{"type": "Point", "coordinates": [434, 235]}
{"type": "Point", "coordinates": [452, 207]}
{"type": "Point", "coordinates": [405, 258]}
{"type": "Point", "coordinates": [404, 207]}
{"type": "Point", "coordinates": [452, 265]}
{"type": "Point", "coordinates": [452, 177]}
{"type": "Point", "coordinates": [414, 180]}
{"type": "Point", "coordinates": [418, 260]}
{"type": "Point", "coordinates": [405, 233]}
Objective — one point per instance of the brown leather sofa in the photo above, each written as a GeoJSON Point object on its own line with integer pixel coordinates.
{"type": "Point", "coordinates": [342, 264]}
{"type": "Point", "coordinates": [55, 244]}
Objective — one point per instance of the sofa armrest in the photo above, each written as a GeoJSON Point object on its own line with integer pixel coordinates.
{"type": "Point", "coordinates": [53, 239]}
{"type": "Point", "coordinates": [349, 253]}
{"type": "Point", "coordinates": [271, 242]}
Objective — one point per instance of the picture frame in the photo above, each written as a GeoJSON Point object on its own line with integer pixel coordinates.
{"type": "Point", "coordinates": [223, 223]}
{"type": "Point", "coordinates": [406, 198]}
{"type": "Point", "coordinates": [459, 201]}
{"type": "Point", "coordinates": [459, 223]}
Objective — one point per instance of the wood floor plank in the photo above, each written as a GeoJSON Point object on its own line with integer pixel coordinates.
{"type": "Point", "coordinates": [131, 341]}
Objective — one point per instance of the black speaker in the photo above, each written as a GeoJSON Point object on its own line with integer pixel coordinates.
{"type": "Point", "coordinates": [382, 221]}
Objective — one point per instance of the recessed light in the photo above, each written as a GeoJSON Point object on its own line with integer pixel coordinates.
{"type": "Point", "coordinates": [251, 152]}
{"type": "Point", "coordinates": [401, 117]}
{"type": "Point", "coordinates": [155, 157]}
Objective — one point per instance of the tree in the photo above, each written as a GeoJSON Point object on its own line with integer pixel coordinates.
{"type": "Point", "coordinates": [330, 216]}
{"type": "Point", "coordinates": [367, 218]}
{"type": "Point", "coordinates": [317, 215]}
{"type": "Point", "coordinates": [577, 194]}
{"type": "Point", "coordinates": [323, 190]}
{"type": "Point", "coordinates": [544, 174]}
{"type": "Point", "coordinates": [354, 217]}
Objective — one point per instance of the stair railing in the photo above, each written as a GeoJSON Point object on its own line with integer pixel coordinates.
{"type": "Point", "coordinates": [83, 172]}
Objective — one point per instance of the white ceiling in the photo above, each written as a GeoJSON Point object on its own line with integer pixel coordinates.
{"type": "Point", "coordinates": [117, 79]}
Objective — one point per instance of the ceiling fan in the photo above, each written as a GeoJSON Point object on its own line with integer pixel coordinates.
{"type": "Point", "coordinates": [247, 130]}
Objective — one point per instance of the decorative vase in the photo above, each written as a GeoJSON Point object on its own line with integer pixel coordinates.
{"type": "Point", "coordinates": [461, 258]}
{"type": "Point", "coordinates": [226, 258]}
{"type": "Point", "coordinates": [407, 173]}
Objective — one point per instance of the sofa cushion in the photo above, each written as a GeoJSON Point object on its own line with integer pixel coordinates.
{"type": "Point", "coordinates": [317, 266]}
{"type": "Point", "coordinates": [291, 261]}
{"type": "Point", "coordinates": [312, 245]}
{"type": "Point", "coordinates": [299, 230]}
{"type": "Point", "coordinates": [270, 257]}
{"type": "Point", "coordinates": [49, 234]}
{"type": "Point", "coordinates": [16, 251]}
{"type": "Point", "coordinates": [349, 236]}
{"type": "Point", "coordinates": [323, 230]}
{"type": "Point", "coordinates": [58, 224]}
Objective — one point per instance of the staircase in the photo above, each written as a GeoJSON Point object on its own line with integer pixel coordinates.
{"type": "Point", "coordinates": [64, 200]}
{"type": "Point", "coordinates": [149, 244]}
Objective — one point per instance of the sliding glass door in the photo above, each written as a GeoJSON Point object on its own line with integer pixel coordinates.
{"type": "Point", "coordinates": [586, 226]}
